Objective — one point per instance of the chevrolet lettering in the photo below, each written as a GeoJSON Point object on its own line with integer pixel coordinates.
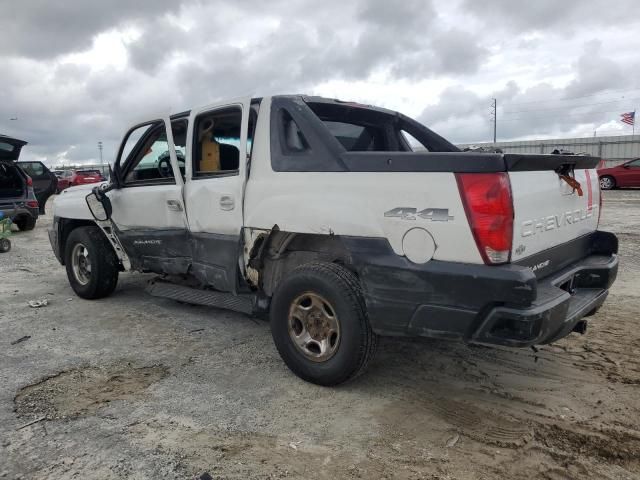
{"type": "Point", "coordinates": [545, 224]}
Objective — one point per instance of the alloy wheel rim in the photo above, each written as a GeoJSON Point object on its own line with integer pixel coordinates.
{"type": "Point", "coordinates": [605, 183]}
{"type": "Point", "coordinates": [314, 327]}
{"type": "Point", "coordinates": [81, 263]}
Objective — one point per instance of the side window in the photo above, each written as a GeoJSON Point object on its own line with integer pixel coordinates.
{"type": "Point", "coordinates": [147, 156]}
{"type": "Point", "coordinates": [133, 139]}
{"type": "Point", "coordinates": [411, 142]}
{"type": "Point", "coordinates": [7, 147]}
{"type": "Point", "coordinates": [179, 132]}
{"type": "Point", "coordinates": [33, 169]}
{"type": "Point", "coordinates": [357, 138]}
{"type": "Point", "coordinates": [216, 140]}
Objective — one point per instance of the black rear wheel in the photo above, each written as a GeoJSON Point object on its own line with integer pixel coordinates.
{"type": "Point", "coordinates": [26, 223]}
{"type": "Point", "coordinates": [5, 245]}
{"type": "Point", "coordinates": [92, 265]}
{"type": "Point", "coordinates": [320, 325]}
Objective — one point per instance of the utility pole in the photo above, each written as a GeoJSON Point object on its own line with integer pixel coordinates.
{"type": "Point", "coordinates": [101, 164]}
{"type": "Point", "coordinates": [494, 114]}
{"type": "Point", "coordinates": [495, 120]}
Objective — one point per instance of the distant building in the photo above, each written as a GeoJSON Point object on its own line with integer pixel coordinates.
{"type": "Point", "coordinates": [613, 150]}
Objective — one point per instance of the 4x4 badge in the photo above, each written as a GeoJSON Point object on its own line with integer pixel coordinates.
{"type": "Point", "coordinates": [409, 213]}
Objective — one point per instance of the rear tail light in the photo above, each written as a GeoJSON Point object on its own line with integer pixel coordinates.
{"type": "Point", "coordinates": [32, 204]}
{"type": "Point", "coordinates": [489, 207]}
{"type": "Point", "coordinates": [29, 181]}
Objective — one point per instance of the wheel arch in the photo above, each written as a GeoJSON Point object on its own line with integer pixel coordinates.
{"type": "Point", "coordinates": [274, 253]}
{"type": "Point", "coordinates": [64, 228]}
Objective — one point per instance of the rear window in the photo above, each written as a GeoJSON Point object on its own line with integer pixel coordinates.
{"type": "Point", "coordinates": [357, 138]}
{"type": "Point", "coordinates": [7, 147]}
{"type": "Point", "coordinates": [33, 169]}
{"type": "Point", "coordinates": [88, 172]}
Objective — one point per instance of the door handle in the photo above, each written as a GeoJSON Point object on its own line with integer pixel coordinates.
{"type": "Point", "coordinates": [174, 205]}
{"type": "Point", "coordinates": [227, 203]}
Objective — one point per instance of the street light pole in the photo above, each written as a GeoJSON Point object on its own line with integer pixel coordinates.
{"type": "Point", "coordinates": [101, 163]}
{"type": "Point", "coordinates": [495, 120]}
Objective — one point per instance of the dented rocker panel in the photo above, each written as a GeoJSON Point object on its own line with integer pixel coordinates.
{"type": "Point", "coordinates": [210, 258]}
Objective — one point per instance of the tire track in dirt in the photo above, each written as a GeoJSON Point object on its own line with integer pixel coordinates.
{"type": "Point", "coordinates": [480, 424]}
{"type": "Point", "coordinates": [608, 444]}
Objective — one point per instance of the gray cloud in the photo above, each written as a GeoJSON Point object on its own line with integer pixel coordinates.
{"type": "Point", "coordinates": [596, 72]}
{"type": "Point", "coordinates": [42, 28]}
{"type": "Point", "coordinates": [183, 54]}
{"type": "Point", "coordinates": [452, 51]}
{"type": "Point", "coordinates": [593, 98]}
{"type": "Point", "coordinates": [560, 16]}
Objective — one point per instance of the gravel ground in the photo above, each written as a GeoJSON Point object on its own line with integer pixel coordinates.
{"type": "Point", "coordinates": [142, 388]}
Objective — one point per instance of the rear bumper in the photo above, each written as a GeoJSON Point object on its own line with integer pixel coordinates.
{"type": "Point", "coordinates": [504, 305]}
{"type": "Point", "coordinates": [562, 301]}
{"type": "Point", "coordinates": [18, 209]}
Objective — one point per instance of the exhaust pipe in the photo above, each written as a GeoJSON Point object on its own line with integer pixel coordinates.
{"type": "Point", "coordinates": [580, 327]}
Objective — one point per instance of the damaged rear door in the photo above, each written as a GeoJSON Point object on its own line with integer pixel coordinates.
{"type": "Point", "coordinates": [214, 189]}
{"type": "Point", "coordinates": [148, 209]}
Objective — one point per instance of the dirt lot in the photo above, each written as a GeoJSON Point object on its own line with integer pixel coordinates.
{"type": "Point", "coordinates": [138, 387]}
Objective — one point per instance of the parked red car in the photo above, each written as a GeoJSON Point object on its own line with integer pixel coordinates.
{"type": "Point", "coordinates": [63, 179]}
{"type": "Point", "coordinates": [625, 175]}
{"type": "Point", "coordinates": [82, 177]}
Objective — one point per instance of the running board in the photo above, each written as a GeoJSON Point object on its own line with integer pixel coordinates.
{"type": "Point", "coordinates": [210, 298]}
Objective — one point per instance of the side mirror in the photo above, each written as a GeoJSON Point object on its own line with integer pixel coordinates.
{"type": "Point", "coordinates": [99, 205]}
{"type": "Point", "coordinates": [626, 165]}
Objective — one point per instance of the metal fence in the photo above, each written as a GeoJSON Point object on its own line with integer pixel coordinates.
{"type": "Point", "coordinates": [613, 150]}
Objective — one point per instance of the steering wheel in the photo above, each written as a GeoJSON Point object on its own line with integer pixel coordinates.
{"type": "Point", "coordinates": [164, 165]}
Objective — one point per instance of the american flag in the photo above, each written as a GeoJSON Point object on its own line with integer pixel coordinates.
{"type": "Point", "coordinates": [629, 118]}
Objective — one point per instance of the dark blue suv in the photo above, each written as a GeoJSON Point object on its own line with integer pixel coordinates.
{"type": "Point", "coordinates": [24, 186]}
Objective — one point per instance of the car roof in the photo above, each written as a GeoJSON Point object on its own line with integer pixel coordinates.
{"type": "Point", "coordinates": [304, 97]}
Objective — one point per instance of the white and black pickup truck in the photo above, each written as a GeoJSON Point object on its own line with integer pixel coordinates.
{"type": "Point", "coordinates": [343, 222]}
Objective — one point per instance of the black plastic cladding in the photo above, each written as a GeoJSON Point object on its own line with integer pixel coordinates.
{"type": "Point", "coordinates": [326, 154]}
{"type": "Point", "coordinates": [323, 154]}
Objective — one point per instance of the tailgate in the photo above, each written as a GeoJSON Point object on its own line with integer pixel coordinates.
{"type": "Point", "coordinates": [10, 148]}
{"type": "Point", "coordinates": [548, 211]}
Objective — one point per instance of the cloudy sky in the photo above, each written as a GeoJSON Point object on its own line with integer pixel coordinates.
{"type": "Point", "coordinates": [75, 72]}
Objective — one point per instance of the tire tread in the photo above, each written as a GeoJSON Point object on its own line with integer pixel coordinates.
{"type": "Point", "coordinates": [26, 223]}
{"type": "Point", "coordinates": [106, 266]}
{"type": "Point", "coordinates": [352, 291]}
